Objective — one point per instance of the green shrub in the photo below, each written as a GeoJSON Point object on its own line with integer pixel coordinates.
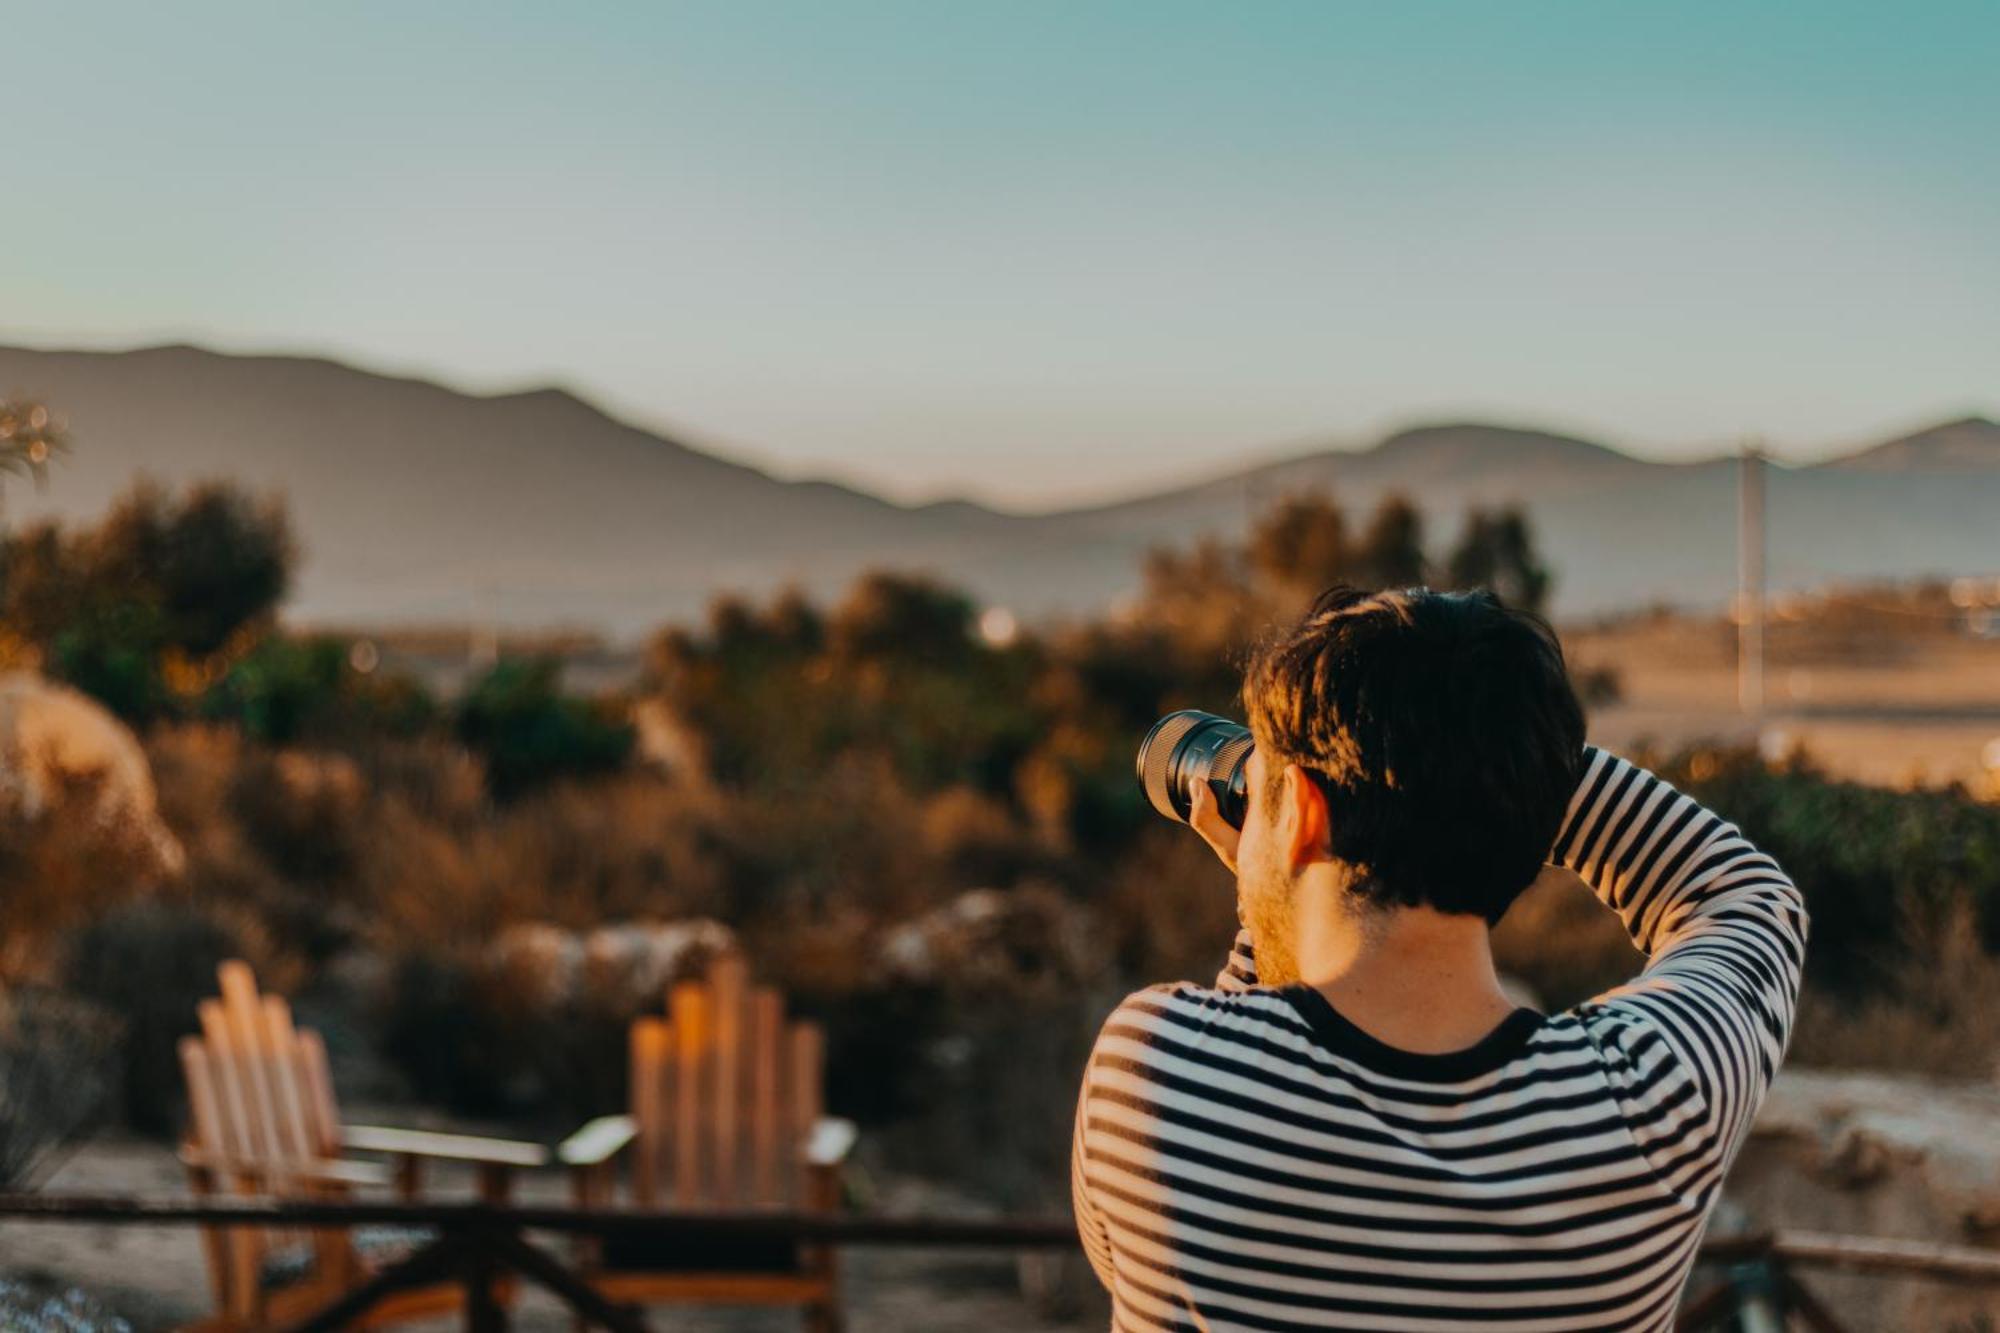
{"type": "Point", "coordinates": [1870, 860]}
{"type": "Point", "coordinates": [153, 596]}
{"type": "Point", "coordinates": [276, 689]}
{"type": "Point", "coordinates": [288, 688]}
{"type": "Point", "coordinates": [111, 651]}
{"type": "Point", "coordinates": [531, 733]}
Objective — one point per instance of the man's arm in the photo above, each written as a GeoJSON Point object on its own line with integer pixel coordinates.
{"type": "Point", "coordinates": [1724, 931]}
{"type": "Point", "coordinates": [1240, 971]}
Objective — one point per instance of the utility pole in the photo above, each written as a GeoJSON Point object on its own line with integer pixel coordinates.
{"type": "Point", "coordinates": [482, 650]}
{"type": "Point", "coordinates": [1750, 583]}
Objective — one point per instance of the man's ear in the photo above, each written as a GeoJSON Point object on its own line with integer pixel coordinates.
{"type": "Point", "coordinates": [1304, 825]}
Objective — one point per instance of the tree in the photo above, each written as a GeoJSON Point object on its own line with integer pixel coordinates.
{"type": "Point", "coordinates": [31, 436]}
{"type": "Point", "coordinates": [214, 562]}
{"type": "Point", "coordinates": [1391, 553]}
{"type": "Point", "coordinates": [40, 584]}
{"type": "Point", "coordinates": [1301, 544]}
{"type": "Point", "coordinates": [1497, 551]}
{"type": "Point", "coordinates": [889, 616]}
{"type": "Point", "coordinates": [1202, 601]}
{"type": "Point", "coordinates": [154, 593]}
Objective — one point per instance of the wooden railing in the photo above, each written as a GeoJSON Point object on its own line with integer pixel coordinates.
{"type": "Point", "coordinates": [1761, 1287]}
{"type": "Point", "coordinates": [478, 1243]}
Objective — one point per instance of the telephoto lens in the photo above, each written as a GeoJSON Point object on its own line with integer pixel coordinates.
{"type": "Point", "coordinates": [1192, 746]}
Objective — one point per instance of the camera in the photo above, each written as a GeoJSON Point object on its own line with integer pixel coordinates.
{"type": "Point", "coordinates": [1191, 746]}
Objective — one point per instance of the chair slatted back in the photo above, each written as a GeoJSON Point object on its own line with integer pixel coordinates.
{"type": "Point", "coordinates": [259, 1095]}
{"type": "Point", "coordinates": [260, 1105]}
{"type": "Point", "coordinates": [724, 1095]}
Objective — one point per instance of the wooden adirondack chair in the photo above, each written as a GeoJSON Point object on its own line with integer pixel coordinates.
{"type": "Point", "coordinates": [726, 1114]}
{"type": "Point", "coordinates": [262, 1121]}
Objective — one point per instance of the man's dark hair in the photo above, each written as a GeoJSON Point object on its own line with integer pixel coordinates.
{"type": "Point", "coordinates": [1442, 729]}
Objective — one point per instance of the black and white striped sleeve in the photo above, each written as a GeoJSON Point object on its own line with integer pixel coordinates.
{"type": "Point", "coordinates": [1724, 931]}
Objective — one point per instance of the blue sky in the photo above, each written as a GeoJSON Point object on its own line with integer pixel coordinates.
{"type": "Point", "coordinates": [1039, 252]}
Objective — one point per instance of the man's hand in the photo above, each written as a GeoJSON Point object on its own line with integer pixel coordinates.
{"type": "Point", "coordinates": [1206, 819]}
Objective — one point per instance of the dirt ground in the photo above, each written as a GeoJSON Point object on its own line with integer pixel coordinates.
{"type": "Point", "coordinates": [1902, 709]}
{"type": "Point", "coordinates": [155, 1277]}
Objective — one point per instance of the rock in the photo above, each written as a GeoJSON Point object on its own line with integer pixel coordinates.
{"type": "Point", "coordinates": [1879, 1155]}
{"type": "Point", "coordinates": [621, 968]}
{"type": "Point", "coordinates": [986, 940]}
{"type": "Point", "coordinates": [629, 965]}
{"type": "Point", "coordinates": [540, 964]}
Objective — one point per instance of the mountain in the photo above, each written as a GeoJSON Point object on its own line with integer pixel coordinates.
{"type": "Point", "coordinates": [418, 503]}
{"type": "Point", "coordinates": [1621, 531]}
{"type": "Point", "coordinates": [1446, 464]}
{"type": "Point", "coordinates": [1970, 444]}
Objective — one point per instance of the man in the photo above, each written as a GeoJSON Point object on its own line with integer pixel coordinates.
{"type": "Point", "coordinates": [1355, 1127]}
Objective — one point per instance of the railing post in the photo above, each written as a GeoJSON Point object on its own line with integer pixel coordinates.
{"type": "Point", "coordinates": [483, 1311]}
{"type": "Point", "coordinates": [1760, 1296]}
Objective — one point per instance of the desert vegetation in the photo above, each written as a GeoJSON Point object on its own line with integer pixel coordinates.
{"type": "Point", "coordinates": [915, 814]}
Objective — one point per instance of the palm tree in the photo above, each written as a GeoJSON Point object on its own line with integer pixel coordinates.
{"type": "Point", "coordinates": [30, 436]}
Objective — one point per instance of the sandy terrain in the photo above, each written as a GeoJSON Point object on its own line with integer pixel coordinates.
{"type": "Point", "coordinates": [1893, 709]}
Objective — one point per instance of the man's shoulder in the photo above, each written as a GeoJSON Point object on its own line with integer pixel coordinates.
{"type": "Point", "coordinates": [1193, 1010]}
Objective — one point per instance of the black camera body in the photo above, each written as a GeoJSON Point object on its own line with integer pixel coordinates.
{"type": "Point", "coordinates": [1191, 746]}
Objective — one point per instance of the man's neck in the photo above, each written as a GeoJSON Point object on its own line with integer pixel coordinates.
{"type": "Point", "coordinates": [1412, 977]}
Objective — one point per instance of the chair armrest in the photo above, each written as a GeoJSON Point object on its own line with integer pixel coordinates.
{"type": "Point", "coordinates": [318, 1171]}
{"type": "Point", "coordinates": [444, 1147]}
{"type": "Point", "coordinates": [599, 1141]}
{"type": "Point", "coordinates": [829, 1142]}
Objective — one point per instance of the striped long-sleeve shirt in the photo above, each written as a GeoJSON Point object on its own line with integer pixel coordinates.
{"type": "Point", "coordinates": [1246, 1158]}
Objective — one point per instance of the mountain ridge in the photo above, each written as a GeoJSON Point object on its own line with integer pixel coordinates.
{"type": "Point", "coordinates": [1963, 443]}
{"type": "Point", "coordinates": [532, 505]}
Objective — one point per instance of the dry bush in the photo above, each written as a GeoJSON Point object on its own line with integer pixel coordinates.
{"type": "Point", "coordinates": [846, 839]}
{"type": "Point", "coordinates": [810, 878]}
{"type": "Point", "coordinates": [397, 846]}
{"type": "Point", "coordinates": [61, 866]}
{"type": "Point", "coordinates": [1939, 1015]}
{"type": "Point", "coordinates": [996, 1095]}
{"type": "Point", "coordinates": [207, 776]}
{"type": "Point", "coordinates": [975, 839]}
{"type": "Point", "coordinates": [634, 846]}
{"type": "Point", "coordinates": [301, 812]}
{"type": "Point", "coordinates": [537, 1022]}
{"type": "Point", "coordinates": [147, 965]}
{"type": "Point", "coordinates": [999, 995]}
{"type": "Point", "coordinates": [448, 1033]}
{"type": "Point", "coordinates": [54, 1062]}
{"type": "Point", "coordinates": [1170, 908]}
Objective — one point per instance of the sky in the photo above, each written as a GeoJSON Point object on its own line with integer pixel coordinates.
{"type": "Point", "coordinates": [1039, 253]}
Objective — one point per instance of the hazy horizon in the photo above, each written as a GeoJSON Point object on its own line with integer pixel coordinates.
{"type": "Point", "coordinates": [1137, 485]}
{"type": "Point", "coordinates": [1046, 256]}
